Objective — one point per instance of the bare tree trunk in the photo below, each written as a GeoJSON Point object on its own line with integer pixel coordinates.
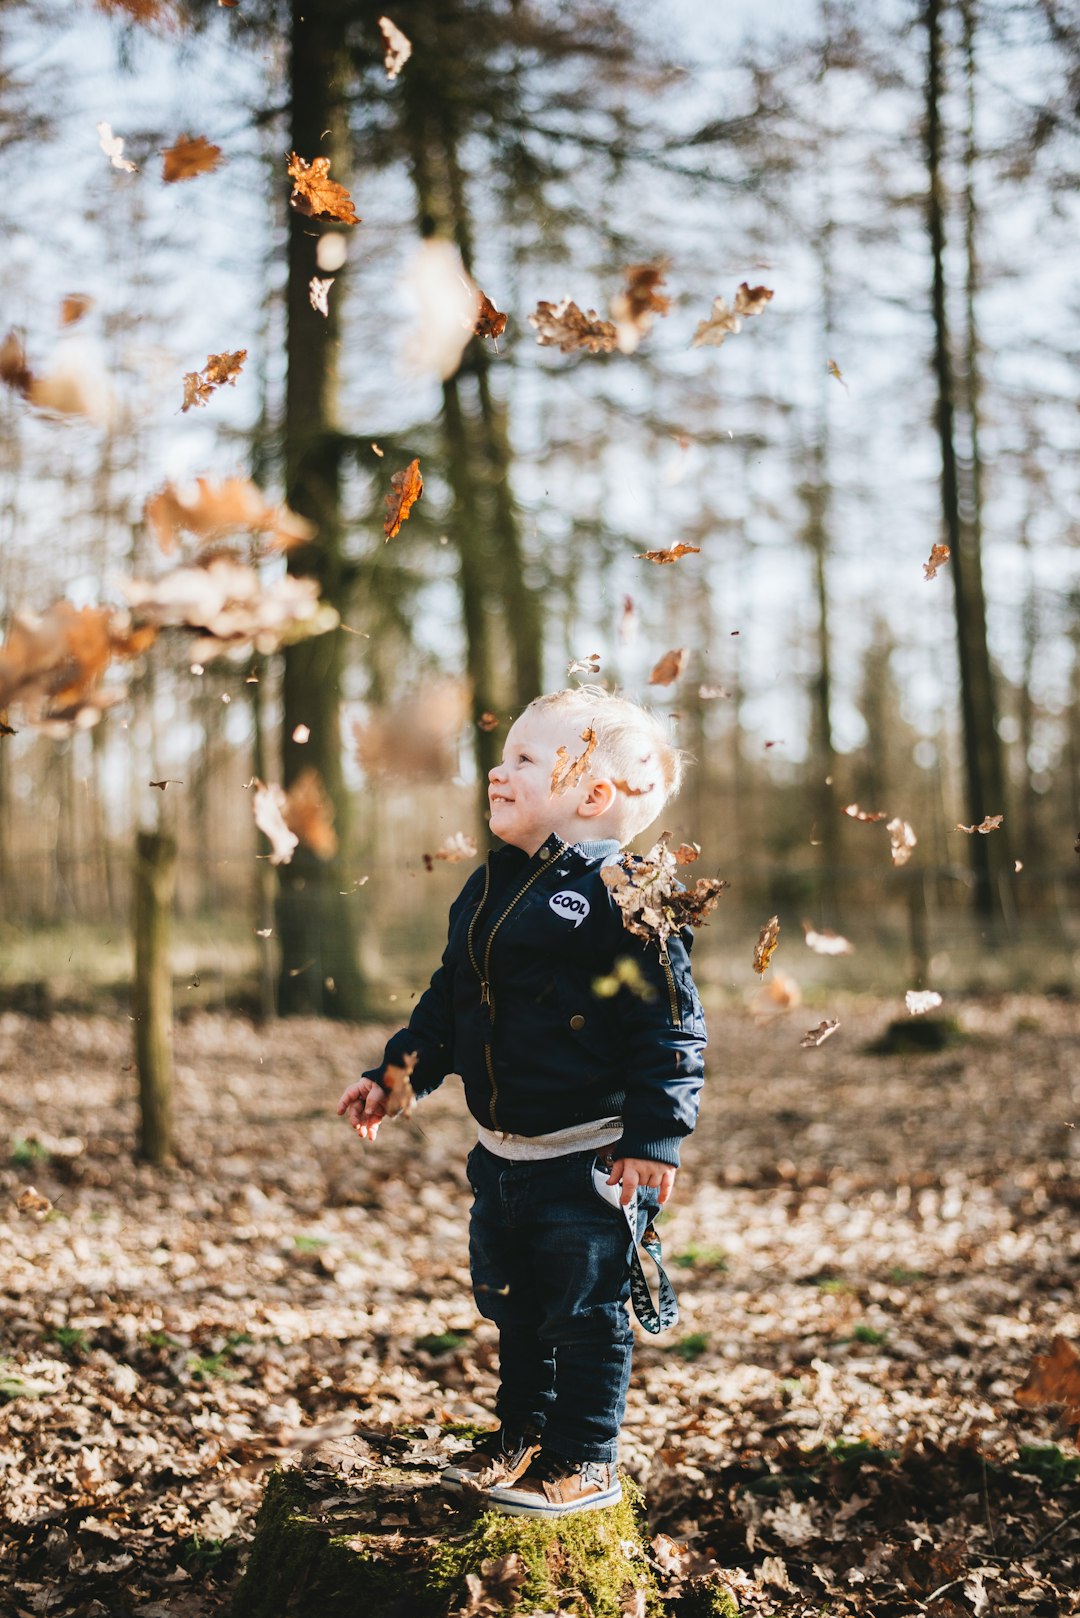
{"type": "Point", "coordinates": [155, 885]}
{"type": "Point", "coordinates": [264, 871]}
{"type": "Point", "coordinates": [982, 752]}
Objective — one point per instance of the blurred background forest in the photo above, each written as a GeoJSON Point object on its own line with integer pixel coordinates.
{"type": "Point", "coordinates": [901, 174]}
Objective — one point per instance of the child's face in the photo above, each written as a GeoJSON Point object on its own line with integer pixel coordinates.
{"type": "Point", "coordinates": [524, 810]}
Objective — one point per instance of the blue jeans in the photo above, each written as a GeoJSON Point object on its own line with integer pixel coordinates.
{"type": "Point", "coordinates": [550, 1263]}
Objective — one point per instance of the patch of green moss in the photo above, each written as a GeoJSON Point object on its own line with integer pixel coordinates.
{"type": "Point", "coordinates": [704, 1598]}
{"type": "Point", "coordinates": [1048, 1464]}
{"type": "Point", "coordinates": [584, 1553]}
{"type": "Point", "coordinates": [916, 1036]}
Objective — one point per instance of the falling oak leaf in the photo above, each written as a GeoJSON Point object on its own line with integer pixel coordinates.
{"type": "Point", "coordinates": [487, 722]}
{"type": "Point", "coordinates": [458, 846]}
{"type": "Point", "coordinates": [407, 486]}
{"type": "Point", "coordinates": [835, 372]}
{"type": "Point", "coordinates": [215, 509]}
{"type": "Point", "coordinates": [52, 664]}
{"type": "Point", "coordinates": [398, 47]}
{"type": "Point", "coordinates": [1054, 1379]}
{"type": "Point", "coordinates": [825, 942]}
{"type": "Point", "coordinates": [672, 555]}
{"type": "Point", "coordinates": [490, 322]}
{"type": "Point", "coordinates": [939, 555]}
{"type": "Point", "coordinates": [867, 815]}
{"type": "Point", "coordinates": [653, 900]}
{"type": "Point", "coordinates": [751, 300]}
{"type": "Point", "coordinates": [31, 1201]}
{"type": "Point", "coordinates": [309, 814]}
{"type": "Point", "coordinates": [724, 321]}
{"type": "Point", "coordinates": [584, 665]}
{"type": "Point", "coordinates": [113, 147]}
{"type": "Point", "coordinates": [396, 1080]}
{"type": "Point", "coordinates": [219, 369]}
{"type": "Point", "coordinates": [74, 307]}
{"type": "Point", "coordinates": [161, 785]}
{"type": "Point", "coordinates": [920, 1001]}
{"type": "Point", "coordinates": [818, 1035]}
{"type": "Point", "coordinates": [319, 292]}
{"type": "Point", "coordinates": [768, 938]}
{"type": "Point", "coordinates": [902, 840]}
{"type": "Point", "coordinates": [687, 853]}
{"type": "Point", "coordinates": [637, 305]}
{"type": "Point", "coordinates": [987, 824]}
{"type": "Point", "coordinates": [569, 771]}
{"type": "Point", "coordinates": [563, 325]}
{"type": "Point", "coordinates": [670, 666]}
{"type": "Point", "coordinates": [316, 194]}
{"type": "Point", "coordinates": [267, 804]}
{"type": "Point", "coordinates": [192, 155]}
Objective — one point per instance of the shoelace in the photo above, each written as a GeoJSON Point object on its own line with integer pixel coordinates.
{"type": "Point", "coordinates": [547, 1467]}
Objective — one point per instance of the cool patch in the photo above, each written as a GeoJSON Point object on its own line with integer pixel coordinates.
{"type": "Point", "coordinates": [570, 906]}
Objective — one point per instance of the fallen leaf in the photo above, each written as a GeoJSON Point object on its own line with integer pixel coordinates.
{"type": "Point", "coordinates": [825, 942]}
{"type": "Point", "coordinates": [635, 308]}
{"type": "Point", "coordinates": [31, 1201]}
{"type": "Point", "coordinates": [818, 1035]}
{"type": "Point", "coordinates": [563, 325]}
{"type": "Point", "coordinates": [939, 555]}
{"type": "Point", "coordinates": [74, 307]}
{"type": "Point", "coordinates": [584, 665]}
{"type": "Point", "coordinates": [870, 816]}
{"type": "Point", "coordinates": [489, 321]}
{"type": "Point", "coordinates": [219, 369]}
{"type": "Point", "coordinates": [316, 194]}
{"type": "Point", "coordinates": [773, 1570]}
{"type": "Point", "coordinates": [192, 155]}
{"type": "Point", "coordinates": [768, 938]}
{"type": "Point", "coordinates": [902, 840]}
{"type": "Point", "coordinates": [672, 555]}
{"type": "Point", "coordinates": [987, 824]}
{"type": "Point", "coordinates": [459, 846]}
{"type": "Point", "coordinates": [398, 47]}
{"type": "Point", "coordinates": [319, 292]}
{"type": "Point", "coordinates": [407, 486]}
{"type": "Point", "coordinates": [113, 147]}
{"type": "Point", "coordinates": [920, 1001]}
{"type": "Point", "coordinates": [1054, 1379]}
{"type": "Point", "coordinates": [569, 771]}
{"type": "Point", "coordinates": [670, 666]}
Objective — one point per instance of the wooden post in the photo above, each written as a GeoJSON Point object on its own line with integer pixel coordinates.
{"type": "Point", "coordinates": [155, 883]}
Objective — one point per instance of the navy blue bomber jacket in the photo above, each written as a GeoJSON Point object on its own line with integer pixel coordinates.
{"type": "Point", "coordinates": [512, 1007]}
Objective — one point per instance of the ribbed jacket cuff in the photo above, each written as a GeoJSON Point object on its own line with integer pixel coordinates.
{"type": "Point", "coordinates": [658, 1151]}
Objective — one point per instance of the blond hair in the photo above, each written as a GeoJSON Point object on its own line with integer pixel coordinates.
{"type": "Point", "coordinates": [632, 748]}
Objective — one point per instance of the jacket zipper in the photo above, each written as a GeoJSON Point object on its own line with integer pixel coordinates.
{"type": "Point", "coordinates": [486, 996]}
{"type": "Point", "coordinates": [673, 994]}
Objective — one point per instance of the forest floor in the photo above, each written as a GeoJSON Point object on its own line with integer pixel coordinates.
{"type": "Point", "coordinates": [870, 1251]}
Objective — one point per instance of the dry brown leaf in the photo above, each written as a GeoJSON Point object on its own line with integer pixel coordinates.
{"type": "Point", "coordinates": [987, 824]}
{"type": "Point", "coordinates": [74, 307]}
{"type": "Point", "coordinates": [309, 814]}
{"type": "Point", "coordinates": [490, 322]}
{"type": "Point", "coordinates": [191, 155]}
{"type": "Point", "coordinates": [232, 605]}
{"type": "Point", "coordinates": [319, 292]}
{"type": "Point", "coordinates": [825, 942]}
{"type": "Point", "coordinates": [398, 47]}
{"type": "Point", "coordinates": [670, 666]}
{"type": "Point", "coordinates": [569, 771]}
{"type": "Point", "coordinates": [268, 805]}
{"type": "Point", "coordinates": [219, 369]}
{"type": "Point", "coordinates": [407, 486]}
{"type": "Point", "coordinates": [869, 816]}
{"type": "Point", "coordinates": [939, 555]}
{"type": "Point", "coordinates": [163, 14]}
{"type": "Point", "coordinates": [487, 722]}
{"type": "Point", "coordinates": [1054, 1379]}
{"type": "Point", "coordinates": [14, 370]}
{"type": "Point", "coordinates": [920, 1001]}
{"type": "Point", "coordinates": [835, 372]}
{"type": "Point", "coordinates": [316, 194]}
{"type": "Point", "coordinates": [635, 308]}
{"type": "Point", "coordinates": [216, 509]}
{"type": "Point", "coordinates": [672, 555]}
{"type": "Point", "coordinates": [768, 938]}
{"type": "Point", "coordinates": [51, 665]}
{"type": "Point", "coordinates": [31, 1201]}
{"type": "Point", "coordinates": [902, 840]}
{"type": "Point", "coordinates": [396, 1080]}
{"type": "Point", "coordinates": [161, 785]}
{"type": "Point", "coordinates": [687, 853]}
{"type": "Point", "coordinates": [818, 1035]}
{"type": "Point", "coordinates": [584, 665]}
{"type": "Point", "coordinates": [459, 846]}
{"type": "Point", "coordinates": [724, 321]}
{"type": "Point", "coordinates": [113, 147]}
{"type": "Point", "coordinates": [75, 387]}
{"type": "Point", "coordinates": [563, 326]}
{"type": "Point", "coordinates": [751, 300]}
{"type": "Point", "coordinates": [496, 1590]}
{"type": "Point", "coordinates": [653, 900]}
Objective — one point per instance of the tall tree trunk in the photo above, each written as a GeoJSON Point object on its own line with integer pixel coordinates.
{"type": "Point", "coordinates": [319, 972]}
{"type": "Point", "coordinates": [982, 750]}
{"type": "Point", "coordinates": [154, 887]}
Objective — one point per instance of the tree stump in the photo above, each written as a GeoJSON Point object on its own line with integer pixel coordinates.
{"type": "Point", "coordinates": [363, 1526]}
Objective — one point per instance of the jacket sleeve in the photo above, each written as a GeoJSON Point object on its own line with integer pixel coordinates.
{"type": "Point", "coordinates": [664, 1041]}
{"type": "Point", "coordinates": [430, 1031]}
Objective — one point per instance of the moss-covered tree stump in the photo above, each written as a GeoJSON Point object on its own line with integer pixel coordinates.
{"type": "Point", "coordinates": [362, 1526]}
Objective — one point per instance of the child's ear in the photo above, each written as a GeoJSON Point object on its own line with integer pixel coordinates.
{"type": "Point", "coordinates": [599, 798]}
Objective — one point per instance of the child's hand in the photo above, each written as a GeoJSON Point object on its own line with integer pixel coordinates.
{"type": "Point", "coordinates": [635, 1171]}
{"type": "Point", "coordinates": [365, 1104]}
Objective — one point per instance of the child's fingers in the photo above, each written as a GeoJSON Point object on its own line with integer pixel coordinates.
{"type": "Point", "coordinates": [667, 1185]}
{"type": "Point", "coordinates": [348, 1097]}
{"type": "Point", "coordinates": [630, 1183]}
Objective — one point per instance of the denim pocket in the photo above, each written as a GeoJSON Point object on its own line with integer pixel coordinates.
{"type": "Point", "coordinates": [609, 1195]}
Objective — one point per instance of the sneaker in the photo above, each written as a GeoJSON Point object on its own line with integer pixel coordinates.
{"type": "Point", "coordinates": [497, 1458]}
{"type": "Point", "coordinates": [553, 1486]}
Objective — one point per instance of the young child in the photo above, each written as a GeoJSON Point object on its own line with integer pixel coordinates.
{"type": "Point", "coordinates": [557, 1077]}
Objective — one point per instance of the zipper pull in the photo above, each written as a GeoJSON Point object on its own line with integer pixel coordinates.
{"type": "Point", "coordinates": [485, 994]}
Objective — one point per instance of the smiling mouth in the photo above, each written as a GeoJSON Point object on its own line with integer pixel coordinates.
{"type": "Point", "coordinates": [497, 797]}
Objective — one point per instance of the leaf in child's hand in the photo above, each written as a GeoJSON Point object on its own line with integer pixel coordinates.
{"type": "Point", "coordinates": [768, 938]}
{"type": "Point", "coordinates": [219, 369]}
{"type": "Point", "coordinates": [902, 840]}
{"type": "Point", "coordinates": [563, 325]}
{"type": "Point", "coordinates": [818, 1035]}
{"type": "Point", "coordinates": [939, 555]}
{"type": "Point", "coordinates": [407, 486]}
{"type": "Point", "coordinates": [397, 1082]}
{"type": "Point", "coordinates": [490, 322]}
{"type": "Point", "coordinates": [670, 666]}
{"type": "Point", "coordinates": [316, 194]}
{"type": "Point", "coordinates": [459, 846]}
{"type": "Point", "coordinates": [671, 555]}
{"type": "Point", "coordinates": [987, 824]}
{"type": "Point", "coordinates": [569, 771]}
{"type": "Point", "coordinates": [192, 155]}
{"type": "Point", "coordinates": [1054, 1379]}
{"type": "Point", "coordinates": [398, 47]}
